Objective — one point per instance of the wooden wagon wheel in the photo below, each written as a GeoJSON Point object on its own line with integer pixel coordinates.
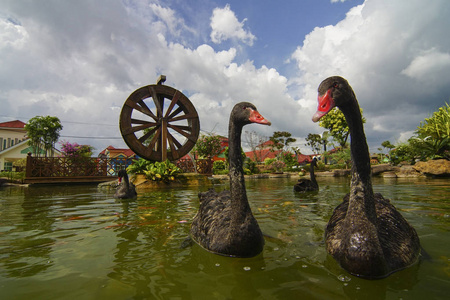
{"type": "Point", "coordinates": [155, 131]}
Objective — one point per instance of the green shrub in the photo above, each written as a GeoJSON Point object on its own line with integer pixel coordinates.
{"type": "Point", "coordinates": [156, 171]}
{"type": "Point", "coordinates": [219, 167]}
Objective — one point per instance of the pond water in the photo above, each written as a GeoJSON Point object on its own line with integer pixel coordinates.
{"type": "Point", "coordinates": [78, 242]}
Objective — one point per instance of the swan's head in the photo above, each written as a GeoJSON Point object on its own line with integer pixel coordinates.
{"type": "Point", "coordinates": [122, 174]}
{"type": "Point", "coordinates": [246, 113]}
{"type": "Point", "coordinates": [333, 91]}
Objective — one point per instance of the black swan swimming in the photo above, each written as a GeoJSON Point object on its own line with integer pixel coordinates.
{"type": "Point", "coordinates": [126, 189]}
{"type": "Point", "coordinates": [366, 234]}
{"type": "Point", "coordinates": [308, 185]}
{"type": "Point", "coordinates": [224, 223]}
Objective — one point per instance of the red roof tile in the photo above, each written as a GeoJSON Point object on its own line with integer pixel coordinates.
{"type": "Point", "coordinates": [13, 124]}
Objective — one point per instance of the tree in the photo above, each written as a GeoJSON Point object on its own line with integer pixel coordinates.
{"type": "Point", "coordinates": [435, 133]}
{"type": "Point", "coordinates": [387, 145]}
{"type": "Point", "coordinates": [335, 122]}
{"type": "Point", "coordinates": [208, 146]}
{"type": "Point", "coordinates": [281, 140]}
{"type": "Point", "coordinates": [255, 142]}
{"type": "Point", "coordinates": [43, 133]}
{"type": "Point", "coordinates": [315, 142]}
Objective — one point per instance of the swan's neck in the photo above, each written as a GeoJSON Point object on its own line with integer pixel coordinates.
{"type": "Point", "coordinates": [361, 192]}
{"type": "Point", "coordinates": [311, 174]}
{"type": "Point", "coordinates": [239, 200]}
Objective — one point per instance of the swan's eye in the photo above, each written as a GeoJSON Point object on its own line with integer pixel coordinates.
{"type": "Point", "coordinates": [335, 84]}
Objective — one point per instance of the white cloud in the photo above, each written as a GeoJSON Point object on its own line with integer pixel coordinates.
{"type": "Point", "coordinates": [431, 67]}
{"type": "Point", "coordinates": [225, 25]}
{"type": "Point", "coordinates": [392, 54]}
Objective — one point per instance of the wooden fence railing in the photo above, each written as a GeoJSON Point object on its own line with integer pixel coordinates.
{"type": "Point", "coordinates": [90, 169]}
{"type": "Point", "coordinates": [69, 169]}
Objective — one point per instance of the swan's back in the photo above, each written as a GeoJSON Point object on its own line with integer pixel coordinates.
{"type": "Point", "coordinates": [212, 227]}
{"type": "Point", "coordinates": [124, 192]}
{"type": "Point", "coordinates": [305, 185]}
{"type": "Point", "coordinates": [392, 244]}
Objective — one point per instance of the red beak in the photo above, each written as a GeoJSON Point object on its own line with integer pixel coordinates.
{"type": "Point", "coordinates": [255, 117]}
{"type": "Point", "coordinates": [326, 103]}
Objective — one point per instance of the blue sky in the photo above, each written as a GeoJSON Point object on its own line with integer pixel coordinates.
{"type": "Point", "coordinates": [80, 60]}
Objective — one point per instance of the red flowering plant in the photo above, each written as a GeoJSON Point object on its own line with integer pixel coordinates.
{"type": "Point", "coordinates": [78, 157]}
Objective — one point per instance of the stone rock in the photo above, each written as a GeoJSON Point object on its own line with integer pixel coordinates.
{"type": "Point", "coordinates": [439, 167]}
{"type": "Point", "coordinates": [377, 169]}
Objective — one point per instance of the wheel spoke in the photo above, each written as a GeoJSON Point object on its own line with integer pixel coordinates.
{"type": "Point", "coordinates": [172, 103]}
{"type": "Point", "coordinates": [176, 112]}
{"type": "Point", "coordinates": [174, 141]}
{"type": "Point", "coordinates": [158, 103]}
{"type": "Point", "coordinates": [185, 134]}
{"type": "Point", "coordinates": [155, 138]}
{"type": "Point", "coordinates": [184, 117]}
{"type": "Point", "coordinates": [142, 108]}
{"type": "Point", "coordinates": [131, 130]}
{"type": "Point", "coordinates": [185, 128]}
{"type": "Point", "coordinates": [143, 138]}
{"type": "Point", "coordinates": [148, 110]}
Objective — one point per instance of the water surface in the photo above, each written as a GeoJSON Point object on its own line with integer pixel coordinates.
{"type": "Point", "coordinates": [78, 242]}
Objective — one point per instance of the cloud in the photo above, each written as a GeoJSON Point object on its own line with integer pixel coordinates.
{"type": "Point", "coordinates": [394, 57]}
{"type": "Point", "coordinates": [432, 68]}
{"type": "Point", "coordinates": [225, 25]}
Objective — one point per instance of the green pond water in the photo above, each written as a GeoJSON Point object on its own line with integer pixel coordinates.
{"type": "Point", "coordinates": [78, 242]}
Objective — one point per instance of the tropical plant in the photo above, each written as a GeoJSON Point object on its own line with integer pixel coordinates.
{"type": "Point", "coordinates": [156, 171]}
{"type": "Point", "coordinates": [435, 133]}
{"type": "Point", "coordinates": [43, 133]}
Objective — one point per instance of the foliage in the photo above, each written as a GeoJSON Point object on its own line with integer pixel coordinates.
{"type": "Point", "coordinates": [435, 133]}
{"type": "Point", "coordinates": [335, 122]}
{"type": "Point", "coordinates": [289, 158]}
{"type": "Point", "coordinates": [281, 140]}
{"type": "Point", "coordinates": [274, 164]}
{"type": "Point", "coordinates": [19, 176]}
{"type": "Point", "coordinates": [43, 133]}
{"type": "Point", "coordinates": [156, 171]}
{"type": "Point", "coordinates": [277, 166]}
{"type": "Point", "coordinates": [402, 152]}
{"type": "Point", "coordinates": [387, 144]}
{"type": "Point", "coordinates": [268, 161]}
{"type": "Point", "coordinates": [250, 167]}
{"type": "Point", "coordinates": [341, 157]}
{"type": "Point", "coordinates": [208, 146]}
{"type": "Point", "coordinates": [220, 167]}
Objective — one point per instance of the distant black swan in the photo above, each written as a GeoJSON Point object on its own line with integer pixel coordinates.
{"type": "Point", "coordinates": [308, 185]}
{"type": "Point", "coordinates": [365, 234]}
{"type": "Point", "coordinates": [224, 223]}
{"type": "Point", "coordinates": [126, 189]}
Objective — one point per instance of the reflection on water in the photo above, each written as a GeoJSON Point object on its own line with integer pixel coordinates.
{"type": "Point", "coordinates": [77, 241]}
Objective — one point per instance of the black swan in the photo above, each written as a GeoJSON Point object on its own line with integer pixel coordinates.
{"type": "Point", "coordinates": [126, 189]}
{"type": "Point", "coordinates": [224, 223]}
{"type": "Point", "coordinates": [308, 185]}
{"type": "Point", "coordinates": [366, 234]}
